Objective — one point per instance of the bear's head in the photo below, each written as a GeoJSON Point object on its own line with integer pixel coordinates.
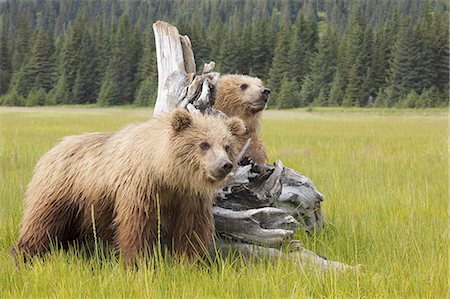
{"type": "Point", "coordinates": [241, 95]}
{"type": "Point", "coordinates": [205, 147]}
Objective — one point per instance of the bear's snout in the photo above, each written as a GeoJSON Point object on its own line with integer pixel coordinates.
{"type": "Point", "coordinates": [266, 92]}
{"type": "Point", "coordinates": [221, 169]}
{"type": "Point", "coordinates": [227, 166]}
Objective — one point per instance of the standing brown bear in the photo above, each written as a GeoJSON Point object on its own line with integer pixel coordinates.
{"type": "Point", "coordinates": [245, 97]}
{"type": "Point", "coordinates": [115, 184]}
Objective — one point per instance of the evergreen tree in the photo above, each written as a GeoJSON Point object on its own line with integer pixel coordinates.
{"type": "Point", "coordinates": [123, 67]}
{"type": "Point", "coordinates": [12, 99]}
{"type": "Point", "coordinates": [39, 72]}
{"type": "Point", "coordinates": [145, 94]}
{"type": "Point", "coordinates": [337, 90]}
{"type": "Point", "coordinates": [356, 59]}
{"type": "Point", "coordinates": [409, 101]}
{"type": "Point", "coordinates": [307, 92]}
{"type": "Point", "coordinates": [352, 97]}
{"type": "Point", "coordinates": [281, 63]}
{"type": "Point", "coordinates": [88, 80]}
{"type": "Point", "coordinates": [323, 65]}
{"type": "Point", "coordinates": [286, 96]}
{"type": "Point", "coordinates": [439, 35]}
{"type": "Point", "coordinates": [322, 99]}
{"type": "Point", "coordinates": [5, 61]}
{"type": "Point", "coordinates": [36, 97]}
{"type": "Point", "coordinates": [403, 77]}
{"type": "Point", "coordinates": [22, 40]}
{"type": "Point", "coordinates": [60, 94]}
{"type": "Point", "coordinates": [229, 52]}
{"type": "Point", "coordinates": [109, 94]}
{"type": "Point", "coordinates": [303, 46]}
{"type": "Point", "coordinates": [261, 49]}
{"type": "Point", "coordinates": [71, 60]}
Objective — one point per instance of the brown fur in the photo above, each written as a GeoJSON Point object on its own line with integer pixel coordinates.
{"type": "Point", "coordinates": [122, 178]}
{"type": "Point", "coordinates": [242, 96]}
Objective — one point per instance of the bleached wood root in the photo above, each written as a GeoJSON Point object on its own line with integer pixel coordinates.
{"type": "Point", "coordinates": [297, 254]}
{"type": "Point", "coordinates": [282, 197]}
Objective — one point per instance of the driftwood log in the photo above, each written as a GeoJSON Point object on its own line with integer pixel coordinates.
{"type": "Point", "coordinates": [255, 213]}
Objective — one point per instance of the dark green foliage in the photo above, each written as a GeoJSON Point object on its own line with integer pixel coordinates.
{"type": "Point", "coordinates": [103, 51]}
{"type": "Point", "coordinates": [5, 62]}
{"type": "Point", "coordinates": [302, 47]}
{"type": "Point", "coordinates": [323, 65]}
{"type": "Point", "coordinates": [322, 99]}
{"type": "Point", "coordinates": [146, 93]}
{"type": "Point", "coordinates": [286, 96]}
{"type": "Point", "coordinates": [410, 101]}
{"type": "Point", "coordinates": [123, 67]}
{"type": "Point", "coordinates": [336, 95]}
{"type": "Point", "coordinates": [109, 95]}
{"type": "Point", "coordinates": [36, 97]}
{"type": "Point", "coordinates": [12, 99]}
{"type": "Point", "coordinates": [39, 71]}
{"type": "Point", "coordinates": [307, 92]}
{"type": "Point", "coordinates": [281, 61]}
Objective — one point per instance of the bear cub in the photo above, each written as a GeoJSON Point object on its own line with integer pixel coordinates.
{"type": "Point", "coordinates": [119, 183]}
{"type": "Point", "coordinates": [245, 97]}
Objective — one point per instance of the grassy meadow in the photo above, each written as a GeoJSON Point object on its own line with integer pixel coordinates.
{"type": "Point", "coordinates": [384, 174]}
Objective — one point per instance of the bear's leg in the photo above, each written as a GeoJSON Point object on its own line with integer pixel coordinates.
{"type": "Point", "coordinates": [136, 225]}
{"type": "Point", "coordinates": [193, 234]}
{"type": "Point", "coordinates": [43, 224]}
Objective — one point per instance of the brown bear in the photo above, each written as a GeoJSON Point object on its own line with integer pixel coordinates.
{"type": "Point", "coordinates": [245, 97]}
{"type": "Point", "coordinates": [160, 174]}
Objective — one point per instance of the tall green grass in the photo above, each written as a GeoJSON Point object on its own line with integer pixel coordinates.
{"type": "Point", "coordinates": [384, 175]}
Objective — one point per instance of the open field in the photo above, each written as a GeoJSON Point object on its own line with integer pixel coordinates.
{"type": "Point", "coordinates": [384, 174]}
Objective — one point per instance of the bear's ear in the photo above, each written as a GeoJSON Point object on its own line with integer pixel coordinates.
{"type": "Point", "coordinates": [181, 120]}
{"type": "Point", "coordinates": [236, 126]}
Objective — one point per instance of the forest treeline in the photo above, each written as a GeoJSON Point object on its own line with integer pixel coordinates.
{"type": "Point", "coordinates": [388, 53]}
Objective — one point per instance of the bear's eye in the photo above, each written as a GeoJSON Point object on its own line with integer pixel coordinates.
{"type": "Point", "coordinates": [204, 145]}
{"type": "Point", "coordinates": [227, 148]}
{"type": "Point", "coordinates": [244, 86]}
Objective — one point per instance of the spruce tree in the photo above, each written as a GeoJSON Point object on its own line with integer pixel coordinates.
{"type": "Point", "coordinates": [286, 96]}
{"type": "Point", "coordinates": [109, 93]}
{"type": "Point", "coordinates": [39, 72]}
{"type": "Point", "coordinates": [403, 78]}
{"type": "Point", "coordinates": [307, 92]}
{"type": "Point", "coordinates": [5, 61]}
{"type": "Point", "coordinates": [22, 41]}
{"type": "Point", "coordinates": [261, 49]}
{"type": "Point", "coordinates": [352, 97]}
{"type": "Point", "coordinates": [322, 99]}
{"type": "Point", "coordinates": [147, 74]}
{"type": "Point", "coordinates": [336, 95]}
{"type": "Point", "coordinates": [281, 62]}
{"type": "Point", "coordinates": [88, 80]}
{"type": "Point", "coordinates": [229, 52]}
{"type": "Point", "coordinates": [123, 67]}
{"type": "Point", "coordinates": [323, 65]}
{"type": "Point", "coordinates": [145, 94]}
{"type": "Point", "coordinates": [72, 59]}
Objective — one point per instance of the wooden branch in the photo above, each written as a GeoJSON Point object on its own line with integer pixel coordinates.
{"type": "Point", "coordinates": [172, 75]}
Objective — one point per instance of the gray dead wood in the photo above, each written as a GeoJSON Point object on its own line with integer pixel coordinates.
{"type": "Point", "coordinates": [255, 213]}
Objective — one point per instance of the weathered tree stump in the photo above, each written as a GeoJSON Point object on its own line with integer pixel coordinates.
{"type": "Point", "coordinates": [255, 213]}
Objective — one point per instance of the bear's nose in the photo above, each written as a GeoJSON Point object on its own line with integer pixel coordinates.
{"type": "Point", "coordinates": [266, 91]}
{"type": "Point", "coordinates": [227, 166]}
